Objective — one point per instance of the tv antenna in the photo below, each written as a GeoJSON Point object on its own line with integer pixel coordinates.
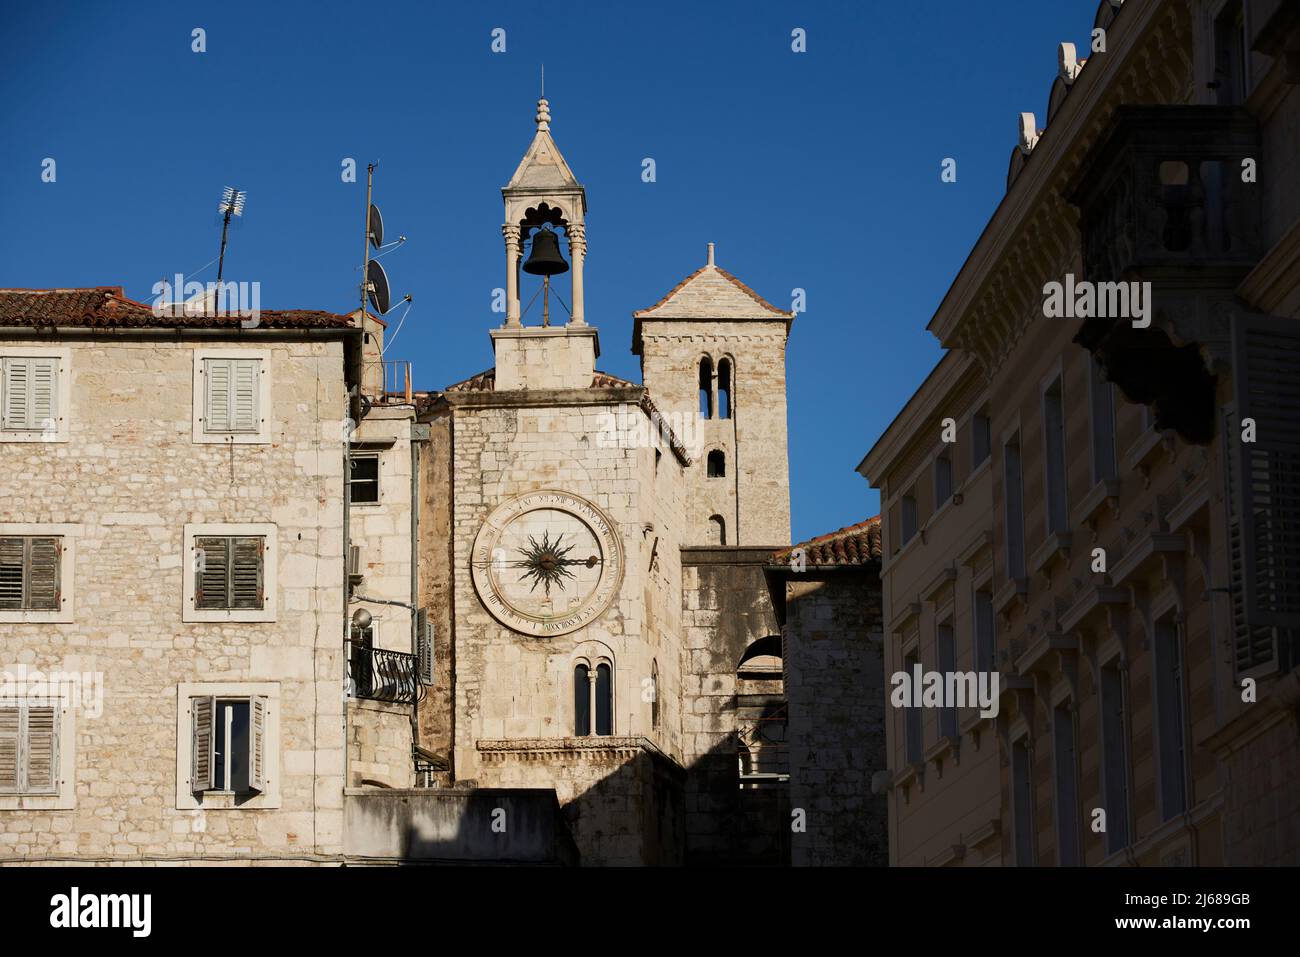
{"type": "Point", "coordinates": [232, 204]}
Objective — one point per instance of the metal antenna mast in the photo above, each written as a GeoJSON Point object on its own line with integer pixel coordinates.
{"type": "Point", "coordinates": [232, 204]}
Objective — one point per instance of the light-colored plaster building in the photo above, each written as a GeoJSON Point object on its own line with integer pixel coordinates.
{"type": "Point", "coordinates": [1102, 509]}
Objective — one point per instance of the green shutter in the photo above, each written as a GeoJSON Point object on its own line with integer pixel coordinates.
{"type": "Point", "coordinates": [246, 573]}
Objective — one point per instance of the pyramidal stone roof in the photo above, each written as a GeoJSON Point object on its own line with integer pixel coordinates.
{"type": "Point", "coordinates": [543, 166]}
{"type": "Point", "coordinates": [709, 293]}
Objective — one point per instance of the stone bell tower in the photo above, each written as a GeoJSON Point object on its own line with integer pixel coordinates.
{"type": "Point", "coordinates": [544, 196]}
{"type": "Point", "coordinates": [713, 354]}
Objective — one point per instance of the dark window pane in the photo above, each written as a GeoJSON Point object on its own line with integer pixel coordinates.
{"type": "Point", "coordinates": [706, 388]}
{"type": "Point", "coordinates": [604, 701]}
{"type": "Point", "coordinates": [365, 479]}
{"type": "Point", "coordinates": [724, 389]}
{"type": "Point", "coordinates": [581, 701]}
{"type": "Point", "coordinates": [717, 464]}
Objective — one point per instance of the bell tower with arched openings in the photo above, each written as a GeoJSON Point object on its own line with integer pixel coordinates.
{"type": "Point", "coordinates": [713, 355]}
{"type": "Point", "coordinates": [544, 197]}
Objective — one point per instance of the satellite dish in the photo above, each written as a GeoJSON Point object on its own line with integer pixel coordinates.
{"type": "Point", "coordinates": [377, 286]}
{"type": "Point", "coordinates": [376, 227]}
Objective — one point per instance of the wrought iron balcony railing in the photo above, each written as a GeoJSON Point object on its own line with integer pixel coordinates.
{"type": "Point", "coordinates": [382, 675]}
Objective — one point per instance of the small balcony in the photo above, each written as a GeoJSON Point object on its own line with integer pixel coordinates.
{"type": "Point", "coordinates": [1165, 197]}
{"type": "Point", "coordinates": [1161, 197]}
{"type": "Point", "coordinates": [387, 381]}
{"type": "Point", "coordinates": [381, 675]}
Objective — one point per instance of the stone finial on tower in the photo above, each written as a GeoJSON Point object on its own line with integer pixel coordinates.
{"type": "Point", "coordinates": [710, 262]}
{"type": "Point", "coordinates": [543, 114]}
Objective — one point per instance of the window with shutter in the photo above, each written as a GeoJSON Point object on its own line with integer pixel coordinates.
{"type": "Point", "coordinates": [231, 395]}
{"type": "Point", "coordinates": [203, 711]}
{"type": "Point", "coordinates": [29, 572]}
{"type": "Point", "coordinates": [1264, 494]}
{"type": "Point", "coordinates": [29, 751]}
{"type": "Point", "coordinates": [30, 393]}
{"type": "Point", "coordinates": [228, 572]}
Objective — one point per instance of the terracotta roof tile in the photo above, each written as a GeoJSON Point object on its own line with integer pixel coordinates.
{"type": "Point", "coordinates": [853, 545]}
{"type": "Point", "coordinates": [108, 307]}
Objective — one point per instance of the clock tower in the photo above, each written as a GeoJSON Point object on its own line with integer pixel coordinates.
{"type": "Point", "coordinates": [566, 513]}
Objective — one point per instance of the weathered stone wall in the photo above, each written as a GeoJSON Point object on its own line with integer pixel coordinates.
{"type": "Point", "coordinates": [622, 799]}
{"type": "Point", "coordinates": [836, 689]}
{"type": "Point", "coordinates": [754, 496]}
{"type": "Point", "coordinates": [131, 477]}
{"type": "Point", "coordinates": [383, 530]}
{"type": "Point", "coordinates": [726, 607]}
{"type": "Point", "coordinates": [379, 744]}
{"type": "Point", "coordinates": [436, 577]}
{"type": "Point", "coordinates": [510, 687]}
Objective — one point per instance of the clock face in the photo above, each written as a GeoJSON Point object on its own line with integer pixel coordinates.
{"type": "Point", "coordinates": [547, 563]}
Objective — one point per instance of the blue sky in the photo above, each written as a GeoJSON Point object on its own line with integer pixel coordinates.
{"type": "Point", "coordinates": [818, 170]}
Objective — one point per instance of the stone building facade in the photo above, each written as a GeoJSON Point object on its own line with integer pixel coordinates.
{"type": "Point", "coordinates": [827, 597]}
{"type": "Point", "coordinates": [526, 618]}
{"type": "Point", "coordinates": [1080, 506]}
{"type": "Point", "coordinates": [189, 474]}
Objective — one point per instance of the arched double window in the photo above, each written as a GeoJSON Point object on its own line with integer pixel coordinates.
{"type": "Point", "coordinates": [715, 389]}
{"type": "Point", "coordinates": [593, 698]}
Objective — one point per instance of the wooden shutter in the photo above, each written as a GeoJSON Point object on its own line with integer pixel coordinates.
{"type": "Point", "coordinates": [257, 743]}
{"type": "Point", "coordinates": [424, 646]}
{"type": "Point", "coordinates": [9, 721]}
{"type": "Point", "coordinates": [1264, 500]}
{"type": "Point", "coordinates": [40, 751]}
{"type": "Point", "coordinates": [11, 572]}
{"type": "Point", "coordinates": [244, 395]}
{"type": "Point", "coordinates": [17, 383]}
{"type": "Point", "coordinates": [216, 415]}
{"type": "Point", "coordinates": [246, 572]}
{"type": "Point", "coordinates": [212, 572]}
{"type": "Point", "coordinates": [43, 573]}
{"type": "Point", "coordinates": [232, 394]}
{"type": "Point", "coordinates": [43, 405]}
{"type": "Point", "coordinates": [201, 769]}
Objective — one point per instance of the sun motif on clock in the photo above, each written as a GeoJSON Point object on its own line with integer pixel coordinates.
{"type": "Point", "coordinates": [547, 563]}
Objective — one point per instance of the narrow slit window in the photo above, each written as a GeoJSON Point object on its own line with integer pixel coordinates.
{"type": "Point", "coordinates": [724, 389]}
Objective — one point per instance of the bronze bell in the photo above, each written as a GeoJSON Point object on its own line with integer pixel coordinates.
{"type": "Point", "coordinates": [544, 258]}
